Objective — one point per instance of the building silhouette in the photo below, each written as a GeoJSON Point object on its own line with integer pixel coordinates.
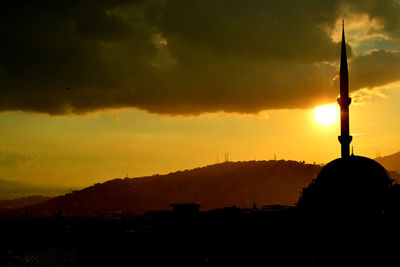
{"type": "Point", "coordinates": [351, 184]}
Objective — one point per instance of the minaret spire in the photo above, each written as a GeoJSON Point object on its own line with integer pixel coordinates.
{"type": "Point", "coordinates": [344, 101]}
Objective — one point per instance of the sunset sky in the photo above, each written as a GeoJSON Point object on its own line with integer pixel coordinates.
{"type": "Point", "coordinates": [94, 90]}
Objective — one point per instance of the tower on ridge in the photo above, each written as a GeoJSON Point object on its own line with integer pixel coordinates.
{"type": "Point", "coordinates": [344, 102]}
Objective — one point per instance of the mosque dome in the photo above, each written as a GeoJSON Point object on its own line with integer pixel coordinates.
{"type": "Point", "coordinates": [352, 184]}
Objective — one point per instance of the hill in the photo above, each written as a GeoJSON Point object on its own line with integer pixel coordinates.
{"type": "Point", "coordinates": [216, 186]}
{"type": "Point", "coordinates": [21, 202]}
{"type": "Point", "coordinates": [12, 190]}
{"type": "Point", "coordinates": [390, 162]}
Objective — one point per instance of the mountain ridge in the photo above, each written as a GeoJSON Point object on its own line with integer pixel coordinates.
{"type": "Point", "coordinates": [10, 190]}
{"type": "Point", "coordinates": [242, 184]}
{"type": "Point", "coordinates": [390, 162]}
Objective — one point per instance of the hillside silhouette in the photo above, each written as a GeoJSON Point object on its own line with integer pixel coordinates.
{"type": "Point", "coordinates": [390, 162]}
{"type": "Point", "coordinates": [21, 202]}
{"type": "Point", "coordinates": [12, 190]}
{"type": "Point", "coordinates": [240, 184]}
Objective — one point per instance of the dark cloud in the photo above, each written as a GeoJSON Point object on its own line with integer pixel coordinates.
{"type": "Point", "coordinates": [177, 57]}
{"type": "Point", "coordinates": [377, 68]}
{"type": "Point", "coordinates": [252, 30]}
{"type": "Point", "coordinates": [386, 11]}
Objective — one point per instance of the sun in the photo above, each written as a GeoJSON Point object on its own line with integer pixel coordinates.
{"type": "Point", "coordinates": [327, 114]}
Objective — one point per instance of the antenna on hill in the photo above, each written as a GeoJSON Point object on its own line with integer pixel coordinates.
{"type": "Point", "coordinates": [275, 156]}
{"type": "Point", "coordinates": [378, 153]}
{"type": "Point", "coordinates": [226, 157]}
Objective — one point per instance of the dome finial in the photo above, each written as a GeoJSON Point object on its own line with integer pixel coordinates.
{"type": "Point", "coordinates": [352, 151]}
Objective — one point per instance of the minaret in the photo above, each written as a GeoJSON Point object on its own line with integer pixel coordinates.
{"type": "Point", "coordinates": [344, 101]}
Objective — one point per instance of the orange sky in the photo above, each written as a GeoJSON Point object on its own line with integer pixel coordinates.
{"type": "Point", "coordinates": [81, 150]}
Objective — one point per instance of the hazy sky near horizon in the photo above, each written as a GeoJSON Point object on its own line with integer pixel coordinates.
{"type": "Point", "coordinates": [159, 85]}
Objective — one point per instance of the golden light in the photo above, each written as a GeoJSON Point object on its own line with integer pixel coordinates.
{"type": "Point", "coordinates": [327, 114]}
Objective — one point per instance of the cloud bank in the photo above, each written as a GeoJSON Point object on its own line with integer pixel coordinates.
{"type": "Point", "coordinates": [184, 57]}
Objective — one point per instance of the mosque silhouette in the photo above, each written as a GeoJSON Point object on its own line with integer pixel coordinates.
{"type": "Point", "coordinates": [351, 185]}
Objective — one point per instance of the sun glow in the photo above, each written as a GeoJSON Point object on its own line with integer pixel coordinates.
{"type": "Point", "coordinates": [327, 114]}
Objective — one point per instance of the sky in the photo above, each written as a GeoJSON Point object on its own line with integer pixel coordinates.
{"type": "Point", "coordinates": [94, 90]}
